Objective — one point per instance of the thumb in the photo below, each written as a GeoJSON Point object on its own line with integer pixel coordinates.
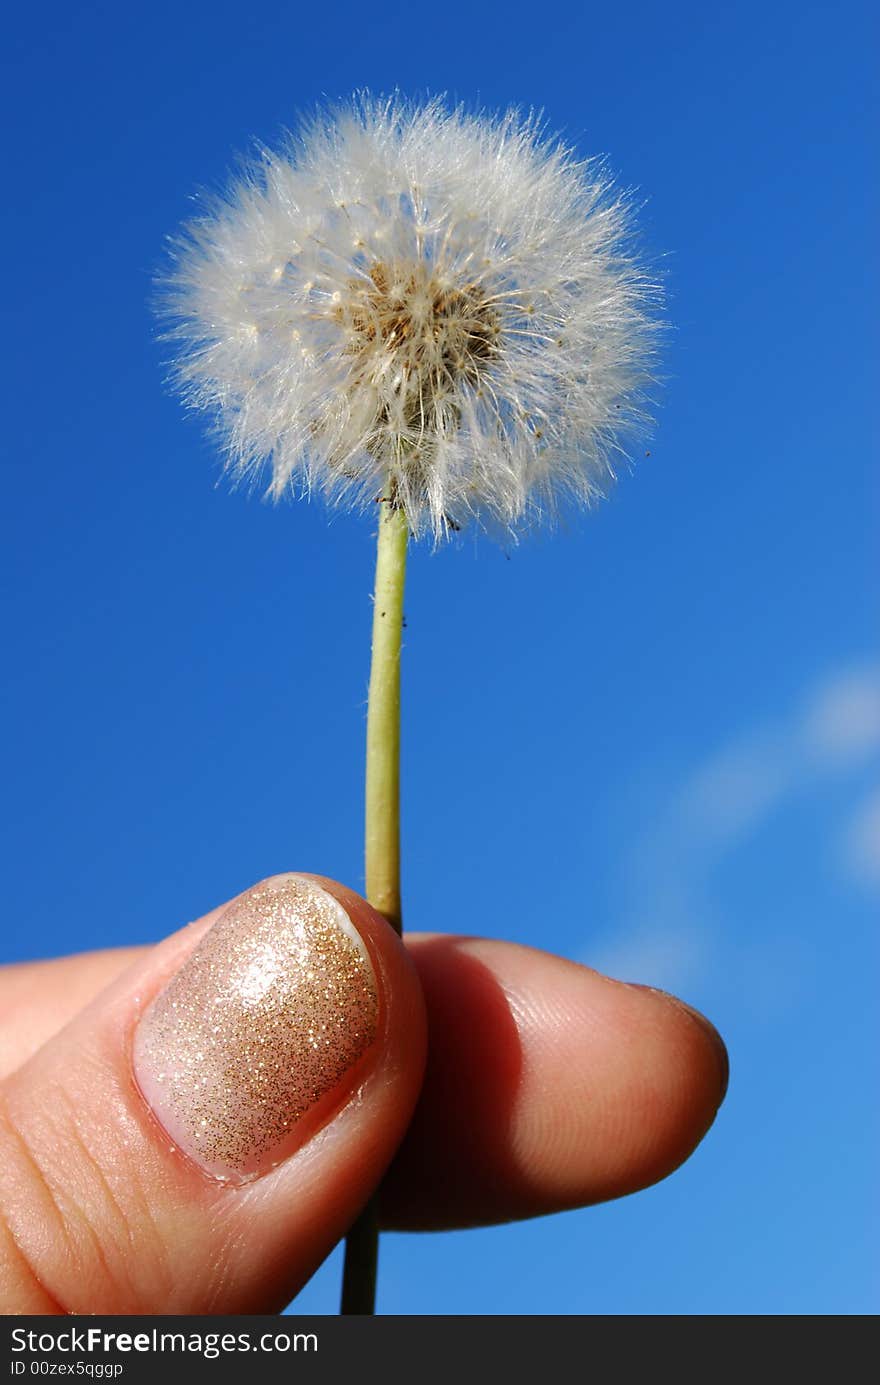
{"type": "Point", "coordinates": [200, 1136]}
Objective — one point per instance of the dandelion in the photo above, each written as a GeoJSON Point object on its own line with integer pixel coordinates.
{"type": "Point", "coordinates": [437, 310]}
{"type": "Point", "coordinates": [407, 296]}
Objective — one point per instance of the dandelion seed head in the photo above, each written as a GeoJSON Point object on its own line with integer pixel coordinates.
{"type": "Point", "coordinates": [413, 297]}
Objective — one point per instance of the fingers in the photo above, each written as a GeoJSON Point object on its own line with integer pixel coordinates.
{"type": "Point", "coordinates": [199, 1136]}
{"type": "Point", "coordinates": [548, 1086]}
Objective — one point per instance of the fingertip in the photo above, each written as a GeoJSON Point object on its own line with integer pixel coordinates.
{"type": "Point", "coordinates": [706, 1038]}
{"type": "Point", "coordinates": [678, 1074]}
{"type": "Point", "coordinates": [625, 1081]}
{"type": "Point", "coordinates": [549, 1086]}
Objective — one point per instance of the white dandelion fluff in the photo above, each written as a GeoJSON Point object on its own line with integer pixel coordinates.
{"type": "Point", "coordinates": [421, 298]}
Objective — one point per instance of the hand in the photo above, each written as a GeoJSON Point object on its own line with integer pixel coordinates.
{"type": "Point", "coordinates": [547, 1086]}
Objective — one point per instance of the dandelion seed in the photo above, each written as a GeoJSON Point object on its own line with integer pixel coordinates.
{"type": "Point", "coordinates": [408, 295]}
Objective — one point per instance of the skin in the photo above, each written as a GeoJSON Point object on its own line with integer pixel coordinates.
{"type": "Point", "coordinates": [546, 1086]}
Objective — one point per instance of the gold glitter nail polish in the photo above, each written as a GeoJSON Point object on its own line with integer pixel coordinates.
{"type": "Point", "coordinates": [262, 1032]}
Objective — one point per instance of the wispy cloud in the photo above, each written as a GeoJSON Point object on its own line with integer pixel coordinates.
{"type": "Point", "coordinates": [670, 922]}
{"type": "Point", "coordinates": [861, 844]}
{"type": "Point", "coordinates": [835, 728]}
{"type": "Point", "coordinates": [735, 788]}
{"type": "Point", "coordinates": [841, 723]}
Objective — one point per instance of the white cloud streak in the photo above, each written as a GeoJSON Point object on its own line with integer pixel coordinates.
{"type": "Point", "coordinates": [861, 853]}
{"type": "Point", "coordinates": [670, 927]}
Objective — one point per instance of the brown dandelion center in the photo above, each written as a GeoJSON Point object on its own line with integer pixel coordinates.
{"type": "Point", "coordinates": [415, 339]}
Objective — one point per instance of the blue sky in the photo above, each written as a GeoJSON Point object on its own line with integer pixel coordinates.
{"type": "Point", "coordinates": [669, 711]}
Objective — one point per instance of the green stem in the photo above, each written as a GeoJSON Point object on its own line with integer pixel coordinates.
{"type": "Point", "coordinates": [382, 825]}
{"type": "Point", "coordinates": [382, 829]}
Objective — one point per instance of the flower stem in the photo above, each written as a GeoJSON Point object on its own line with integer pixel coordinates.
{"type": "Point", "coordinates": [382, 826]}
{"type": "Point", "coordinates": [382, 829]}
